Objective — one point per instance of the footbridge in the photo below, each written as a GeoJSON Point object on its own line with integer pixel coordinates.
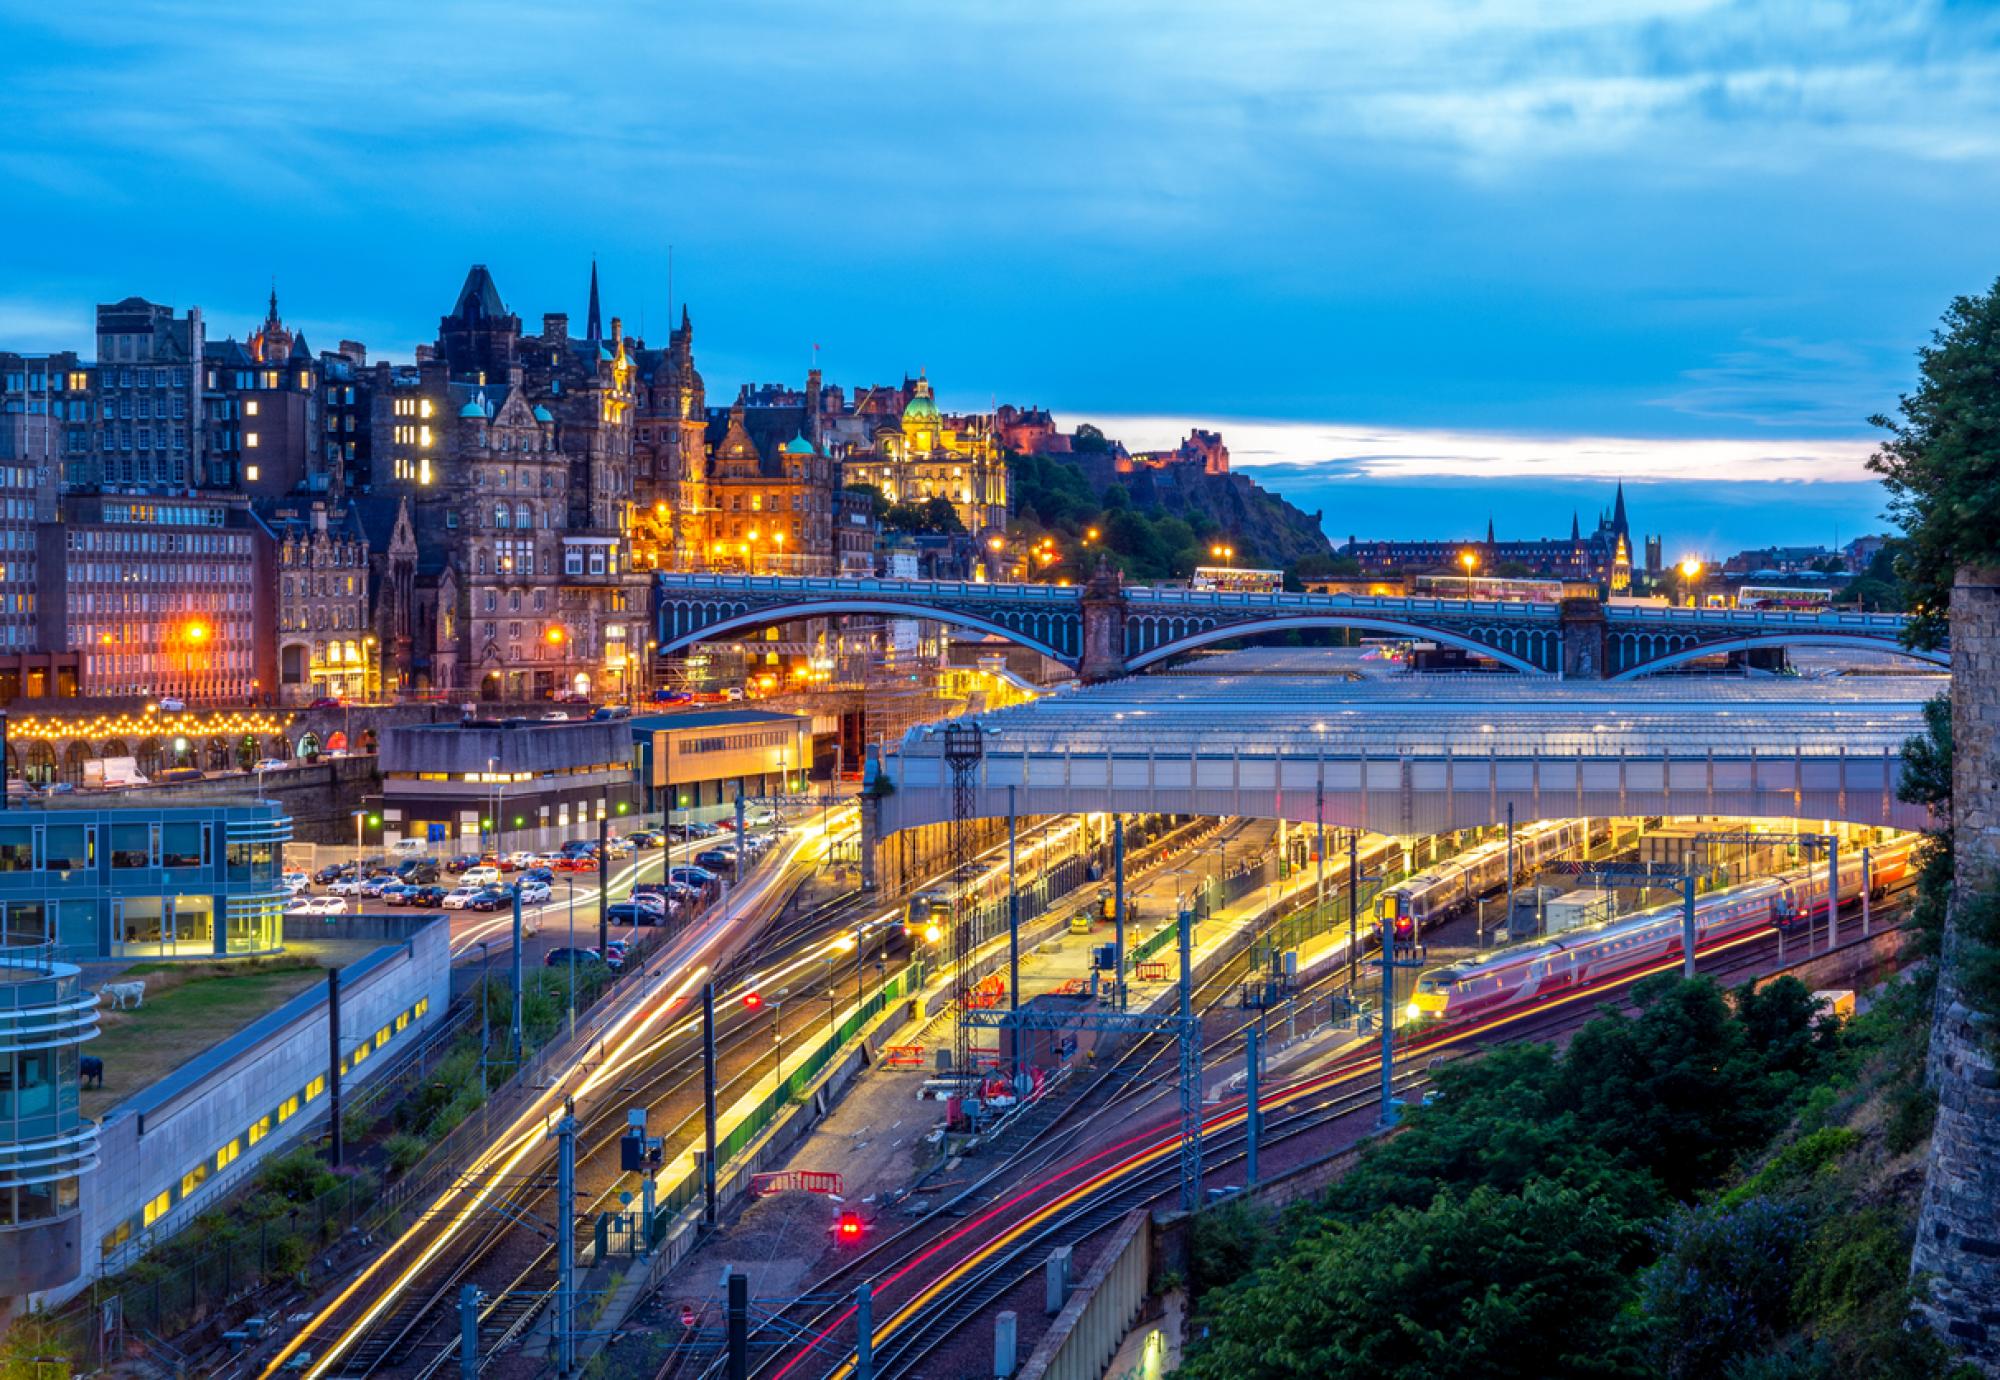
{"type": "Point", "coordinates": [1409, 755]}
{"type": "Point", "coordinates": [1105, 629]}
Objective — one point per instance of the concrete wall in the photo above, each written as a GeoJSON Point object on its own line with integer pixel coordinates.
{"type": "Point", "coordinates": [1101, 1309]}
{"type": "Point", "coordinates": [148, 1142]}
{"type": "Point", "coordinates": [520, 747]}
{"type": "Point", "coordinates": [321, 798]}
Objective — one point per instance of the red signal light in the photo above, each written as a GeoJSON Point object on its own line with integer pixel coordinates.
{"type": "Point", "coordinates": [848, 1228]}
{"type": "Point", "coordinates": [752, 1000]}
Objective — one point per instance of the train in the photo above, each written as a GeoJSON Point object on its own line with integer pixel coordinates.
{"type": "Point", "coordinates": [1539, 969]}
{"type": "Point", "coordinates": [1442, 891]}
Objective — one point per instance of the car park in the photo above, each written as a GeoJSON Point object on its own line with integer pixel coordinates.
{"type": "Point", "coordinates": [630, 913]}
{"type": "Point", "coordinates": [299, 905]}
{"type": "Point", "coordinates": [427, 897]}
{"type": "Point", "coordinates": [490, 898]}
{"type": "Point", "coordinates": [693, 876]}
{"type": "Point", "coordinates": [578, 863]}
{"type": "Point", "coordinates": [347, 885]}
{"type": "Point", "coordinates": [374, 885]}
{"type": "Point", "coordinates": [716, 860]}
{"type": "Point", "coordinates": [541, 873]}
{"type": "Point", "coordinates": [397, 894]}
{"type": "Point", "coordinates": [461, 862]}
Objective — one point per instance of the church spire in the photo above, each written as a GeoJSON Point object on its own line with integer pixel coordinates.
{"type": "Point", "coordinates": [1575, 528]}
{"type": "Point", "coordinates": [1618, 523]}
{"type": "Point", "coordinates": [593, 329]}
{"type": "Point", "coordinates": [1489, 529]}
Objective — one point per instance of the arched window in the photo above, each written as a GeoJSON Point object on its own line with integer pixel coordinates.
{"type": "Point", "coordinates": [502, 515]}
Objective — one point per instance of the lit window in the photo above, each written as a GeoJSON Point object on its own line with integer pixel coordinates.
{"type": "Point", "coordinates": [250, 471]}
{"type": "Point", "coordinates": [250, 407]}
{"type": "Point", "coordinates": [157, 1209]}
{"type": "Point", "coordinates": [226, 1156]}
{"type": "Point", "coordinates": [250, 440]}
{"type": "Point", "coordinates": [259, 1129]}
{"type": "Point", "coordinates": [193, 1179]}
{"type": "Point", "coordinates": [288, 1109]}
{"type": "Point", "coordinates": [316, 1087]}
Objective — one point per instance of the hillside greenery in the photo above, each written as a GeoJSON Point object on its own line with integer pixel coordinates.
{"type": "Point", "coordinates": [1720, 1185]}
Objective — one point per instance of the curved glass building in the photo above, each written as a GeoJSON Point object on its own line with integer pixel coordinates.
{"type": "Point", "coordinates": [46, 1145]}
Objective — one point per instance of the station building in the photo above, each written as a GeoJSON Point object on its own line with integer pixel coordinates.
{"type": "Point", "coordinates": [509, 783]}
{"type": "Point", "coordinates": [143, 881]}
{"type": "Point", "coordinates": [694, 758]}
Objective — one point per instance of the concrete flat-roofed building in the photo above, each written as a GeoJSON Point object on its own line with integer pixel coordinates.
{"type": "Point", "coordinates": [512, 783]}
{"type": "Point", "coordinates": [700, 757]}
{"type": "Point", "coordinates": [141, 881]}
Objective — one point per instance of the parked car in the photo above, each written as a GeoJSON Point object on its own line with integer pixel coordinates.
{"type": "Point", "coordinates": [672, 697]}
{"type": "Point", "coordinates": [179, 774]}
{"type": "Point", "coordinates": [716, 861]}
{"type": "Point", "coordinates": [327, 702]}
{"type": "Point", "coordinates": [397, 894]}
{"type": "Point", "coordinates": [295, 879]}
{"type": "Point", "coordinates": [419, 872]}
{"type": "Point", "coordinates": [483, 875]}
{"type": "Point", "coordinates": [581, 862]}
{"type": "Point", "coordinates": [327, 875]}
{"type": "Point", "coordinates": [269, 764]}
{"type": "Point", "coordinates": [628, 913]}
{"type": "Point", "coordinates": [374, 885]}
{"type": "Point", "coordinates": [542, 873]}
{"type": "Point", "coordinates": [533, 893]}
{"type": "Point", "coordinates": [326, 905]}
{"type": "Point", "coordinates": [459, 896]}
{"type": "Point", "coordinates": [558, 957]}
{"type": "Point", "coordinates": [694, 876]}
{"type": "Point", "coordinates": [427, 897]}
{"type": "Point", "coordinates": [299, 905]}
{"type": "Point", "coordinates": [490, 898]}
{"type": "Point", "coordinates": [573, 697]}
{"type": "Point", "coordinates": [461, 862]}
{"type": "Point", "coordinates": [555, 716]}
{"type": "Point", "coordinates": [520, 858]}
{"type": "Point", "coordinates": [611, 711]}
{"type": "Point", "coordinates": [347, 884]}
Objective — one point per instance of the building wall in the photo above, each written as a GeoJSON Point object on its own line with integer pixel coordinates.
{"type": "Point", "coordinates": [188, 1140]}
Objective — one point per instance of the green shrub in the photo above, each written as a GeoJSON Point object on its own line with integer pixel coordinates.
{"type": "Point", "coordinates": [404, 1151]}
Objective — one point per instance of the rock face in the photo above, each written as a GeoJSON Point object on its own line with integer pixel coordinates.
{"type": "Point", "coordinates": [1957, 1255]}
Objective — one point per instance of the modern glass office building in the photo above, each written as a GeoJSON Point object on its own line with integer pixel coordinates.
{"type": "Point", "coordinates": [46, 1146]}
{"type": "Point", "coordinates": [143, 881]}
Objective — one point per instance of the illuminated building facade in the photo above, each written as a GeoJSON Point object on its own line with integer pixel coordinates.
{"type": "Point", "coordinates": [923, 453]}
{"type": "Point", "coordinates": [326, 644]}
{"type": "Point", "coordinates": [161, 596]}
{"type": "Point", "coordinates": [669, 455]}
{"type": "Point", "coordinates": [1602, 556]}
{"type": "Point", "coordinates": [771, 500]}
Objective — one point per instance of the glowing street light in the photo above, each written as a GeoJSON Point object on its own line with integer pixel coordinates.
{"type": "Point", "coordinates": [1468, 559]}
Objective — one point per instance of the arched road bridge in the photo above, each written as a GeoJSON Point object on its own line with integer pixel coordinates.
{"type": "Point", "coordinates": [1420, 756]}
{"type": "Point", "coordinates": [1104, 629]}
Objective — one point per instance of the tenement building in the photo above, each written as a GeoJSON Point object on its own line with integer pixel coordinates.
{"type": "Point", "coordinates": [326, 643]}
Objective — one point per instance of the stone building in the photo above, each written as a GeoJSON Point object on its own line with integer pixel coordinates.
{"type": "Point", "coordinates": [148, 432]}
{"type": "Point", "coordinates": [771, 496]}
{"type": "Point", "coordinates": [669, 454]}
{"type": "Point", "coordinates": [260, 414]}
{"type": "Point", "coordinates": [327, 646]}
{"type": "Point", "coordinates": [922, 453]}
{"type": "Point", "coordinates": [509, 459]}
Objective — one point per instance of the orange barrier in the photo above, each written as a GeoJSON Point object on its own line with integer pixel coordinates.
{"type": "Point", "coordinates": [796, 1180]}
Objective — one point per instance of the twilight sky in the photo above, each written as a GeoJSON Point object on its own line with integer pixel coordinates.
{"type": "Point", "coordinates": [1390, 249]}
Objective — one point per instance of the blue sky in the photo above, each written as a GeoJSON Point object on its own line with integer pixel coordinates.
{"type": "Point", "coordinates": [1526, 243]}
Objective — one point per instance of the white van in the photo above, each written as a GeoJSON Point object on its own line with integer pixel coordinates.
{"type": "Point", "coordinates": [407, 848]}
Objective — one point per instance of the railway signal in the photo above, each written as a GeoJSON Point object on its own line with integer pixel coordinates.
{"type": "Point", "coordinates": [752, 1000]}
{"type": "Point", "coordinates": [847, 1227]}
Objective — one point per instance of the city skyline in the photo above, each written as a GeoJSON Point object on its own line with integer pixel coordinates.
{"type": "Point", "coordinates": [1674, 223]}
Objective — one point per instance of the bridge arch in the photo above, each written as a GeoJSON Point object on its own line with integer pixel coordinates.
{"type": "Point", "coordinates": [1367, 622]}
{"type": "Point", "coordinates": [830, 608]}
{"type": "Point", "coordinates": [1681, 651]}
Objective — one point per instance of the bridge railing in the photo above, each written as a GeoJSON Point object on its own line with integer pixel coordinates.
{"type": "Point", "coordinates": [1387, 604]}
{"type": "Point", "coordinates": [848, 586]}
{"type": "Point", "coordinates": [1764, 618]}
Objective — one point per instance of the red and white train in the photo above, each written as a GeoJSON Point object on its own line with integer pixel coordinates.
{"type": "Point", "coordinates": [1441, 891]}
{"type": "Point", "coordinates": [1540, 969]}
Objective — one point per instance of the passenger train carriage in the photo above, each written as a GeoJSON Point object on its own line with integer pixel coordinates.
{"type": "Point", "coordinates": [1443, 890]}
{"type": "Point", "coordinates": [1535, 971]}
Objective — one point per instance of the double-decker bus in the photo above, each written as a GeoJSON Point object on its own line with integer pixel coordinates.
{"type": "Point", "coordinates": [1508, 588]}
{"type": "Point", "coordinates": [1237, 580]}
{"type": "Point", "coordinates": [1783, 597]}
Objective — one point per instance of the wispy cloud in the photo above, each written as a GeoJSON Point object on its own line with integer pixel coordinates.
{"type": "Point", "coordinates": [1332, 451]}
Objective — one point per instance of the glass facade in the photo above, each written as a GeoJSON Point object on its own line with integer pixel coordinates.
{"type": "Point", "coordinates": [45, 1144]}
{"type": "Point", "coordinates": [196, 881]}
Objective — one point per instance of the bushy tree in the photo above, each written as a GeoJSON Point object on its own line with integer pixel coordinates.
{"type": "Point", "coordinates": [1941, 463]}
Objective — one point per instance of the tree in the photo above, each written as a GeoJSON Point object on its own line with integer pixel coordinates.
{"type": "Point", "coordinates": [1941, 463]}
{"type": "Point", "coordinates": [933, 517]}
{"type": "Point", "coordinates": [1485, 1285]}
{"type": "Point", "coordinates": [1088, 440]}
{"type": "Point", "coordinates": [878, 506]}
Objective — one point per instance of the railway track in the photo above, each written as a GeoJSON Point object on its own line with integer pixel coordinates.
{"type": "Point", "coordinates": [1147, 1171]}
{"type": "Point", "coordinates": [418, 1334]}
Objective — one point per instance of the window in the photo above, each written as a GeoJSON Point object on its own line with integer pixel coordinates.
{"type": "Point", "coordinates": [157, 1209]}
{"type": "Point", "coordinates": [17, 849]}
{"type": "Point", "coordinates": [572, 560]}
{"type": "Point", "coordinates": [194, 1179]}
{"type": "Point", "coordinates": [316, 1087]}
{"type": "Point", "coordinates": [250, 471]}
{"type": "Point", "coordinates": [259, 1129]}
{"type": "Point", "coordinates": [226, 1156]}
{"type": "Point", "coordinates": [131, 846]}
{"type": "Point", "coordinates": [288, 1109]}
{"type": "Point", "coordinates": [250, 407]}
{"type": "Point", "coordinates": [502, 516]}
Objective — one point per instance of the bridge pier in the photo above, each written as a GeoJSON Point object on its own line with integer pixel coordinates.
{"type": "Point", "coordinates": [1103, 626]}
{"type": "Point", "coordinates": [1582, 623]}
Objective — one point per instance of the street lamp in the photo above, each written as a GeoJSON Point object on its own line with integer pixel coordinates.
{"type": "Point", "coordinates": [1690, 569]}
{"type": "Point", "coordinates": [1470, 560]}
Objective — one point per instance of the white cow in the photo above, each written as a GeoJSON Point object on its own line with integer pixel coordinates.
{"type": "Point", "coordinates": [124, 994]}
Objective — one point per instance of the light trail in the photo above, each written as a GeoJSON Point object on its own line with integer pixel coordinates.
{"type": "Point", "coordinates": [620, 1045]}
{"type": "Point", "coordinates": [1221, 1121]}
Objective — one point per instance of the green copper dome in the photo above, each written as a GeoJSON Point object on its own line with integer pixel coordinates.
{"type": "Point", "coordinates": [799, 445]}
